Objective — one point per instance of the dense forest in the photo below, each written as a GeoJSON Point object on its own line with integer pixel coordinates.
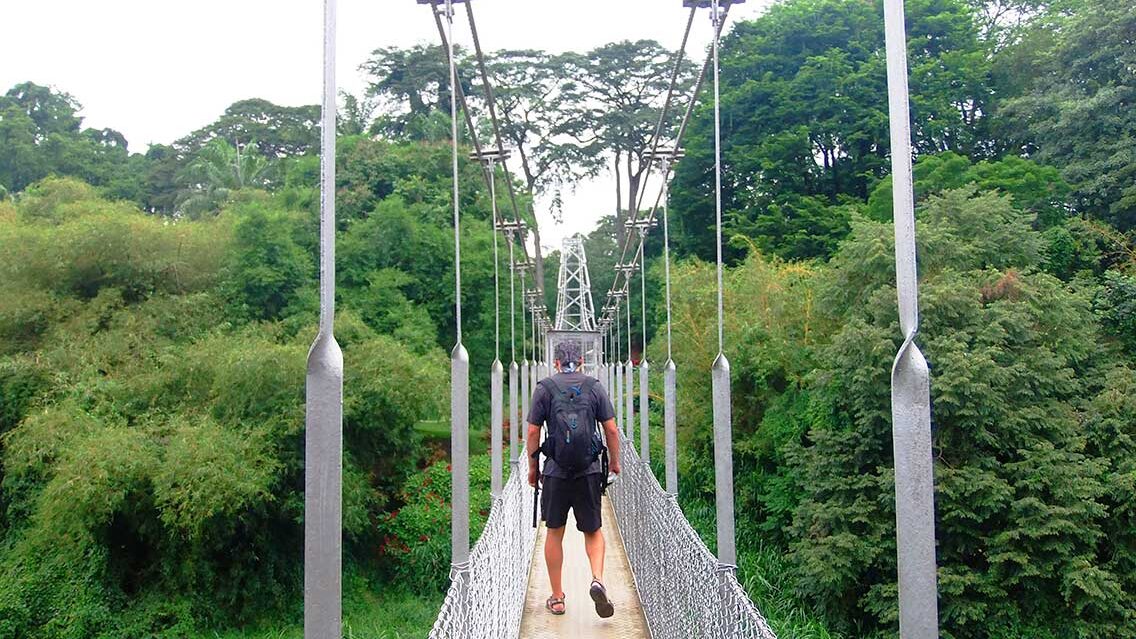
{"type": "Point", "coordinates": [156, 310]}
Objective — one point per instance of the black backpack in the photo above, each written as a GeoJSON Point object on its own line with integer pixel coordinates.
{"type": "Point", "coordinates": [573, 440]}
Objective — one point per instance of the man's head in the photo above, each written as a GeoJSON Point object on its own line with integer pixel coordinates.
{"type": "Point", "coordinates": [568, 357]}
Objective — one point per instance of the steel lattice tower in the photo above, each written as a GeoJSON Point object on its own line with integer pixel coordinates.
{"type": "Point", "coordinates": [574, 308]}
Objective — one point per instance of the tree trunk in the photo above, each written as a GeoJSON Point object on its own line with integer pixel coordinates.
{"type": "Point", "coordinates": [633, 179]}
{"type": "Point", "coordinates": [538, 255]}
{"type": "Point", "coordinates": [619, 232]}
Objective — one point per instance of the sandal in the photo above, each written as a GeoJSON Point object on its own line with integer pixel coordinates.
{"type": "Point", "coordinates": [604, 608]}
{"type": "Point", "coordinates": [554, 601]}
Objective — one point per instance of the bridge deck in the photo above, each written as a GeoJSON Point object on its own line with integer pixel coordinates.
{"type": "Point", "coordinates": [580, 619]}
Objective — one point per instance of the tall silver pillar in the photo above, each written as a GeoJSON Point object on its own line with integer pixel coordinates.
{"type": "Point", "coordinates": [910, 378]}
{"type": "Point", "coordinates": [723, 462]}
{"type": "Point", "coordinates": [497, 416]}
{"type": "Point", "coordinates": [644, 416]}
{"type": "Point", "coordinates": [323, 435]}
{"type": "Point", "coordinates": [670, 430]}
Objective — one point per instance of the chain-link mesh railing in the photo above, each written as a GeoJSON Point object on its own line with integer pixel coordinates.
{"type": "Point", "coordinates": [684, 593]}
{"type": "Point", "coordinates": [486, 599]}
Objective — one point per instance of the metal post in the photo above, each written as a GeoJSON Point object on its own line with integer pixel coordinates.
{"type": "Point", "coordinates": [723, 461]}
{"type": "Point", "coordinates": [323, 436]}
{"type": "Point", "coordinates": [496, 377]}
{"type": "Point", "coordinates": [670, 432]}
{"type": "Point", "coordinates": [618, 385]}
{"type": "Point", "coordinates": [644, 416]}
{"type": "Point", "coordinates": [723, 435]}
{"type": "Point", "coordinates": [459, 358]}
{"type": "Point", "coordinates": [514, 413]}
{"type": "Point", "coordinates": [910, 378]}
{"type": "Point", "coordinates": [629, 396]}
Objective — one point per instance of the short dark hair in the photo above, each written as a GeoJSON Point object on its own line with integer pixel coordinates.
{"type": "Point", "coordinates": [567, 352]}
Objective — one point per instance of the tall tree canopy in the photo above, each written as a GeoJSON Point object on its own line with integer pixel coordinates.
{"type": "Point", "coordinates": [805, 119]}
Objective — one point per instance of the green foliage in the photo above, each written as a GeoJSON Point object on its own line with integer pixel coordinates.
{"type": "Point", "coordinates": [1020, 497]}
{"type": "Point", "coordinates": [804, 112]}
{"type": "Point", "coordinates": [1116, 304]}
{"type": "Point", "coordinates": [1075, 110]}
{"type": "Point", "coordinates": [416, 540]}
{"type": "Point", "coordinates": [41, 135]}
{"type": "Point", "coordinates": [267, 269]}
{"type": "Point", "coordinates": [1034, 188]}
{"type": "Point", "coordinates": [150, 482]}
{"type": "Point", "coordinates": [69, 242]}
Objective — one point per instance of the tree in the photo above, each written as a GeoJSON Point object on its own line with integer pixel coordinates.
{"type": "Point", "coordinates": [41, 134]}
{"type": "Point", "coordinates": [277, 131]}
{"type": "Point", "coordinates": [412, 89]}
{"type": "Point", "coordinates": [1023, 506]}
{"type": "Point", "coordinates": [616, 93]}
{"type": "Point", "coordinates": [1078, 113]}
{"type": "Point", "coordinates": [805, 117]}
{"type": "Point", "coordinates": [217, 171]}
{"type": "Point", "coordinates": [534, 107]}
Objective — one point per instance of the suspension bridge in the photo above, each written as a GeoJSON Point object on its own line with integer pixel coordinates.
{"type": "Point", "coordinates": [664, 581]}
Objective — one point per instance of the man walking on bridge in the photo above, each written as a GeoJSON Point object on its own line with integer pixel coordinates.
{"type": "Point", "coordinates": [571, 404]}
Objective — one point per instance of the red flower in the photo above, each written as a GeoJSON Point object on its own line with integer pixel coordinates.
{"type": "Point", "coordinates": [423, 538]}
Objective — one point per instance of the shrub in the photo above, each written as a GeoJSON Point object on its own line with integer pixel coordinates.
{"type": "Point", "coordinates": [416, 537]}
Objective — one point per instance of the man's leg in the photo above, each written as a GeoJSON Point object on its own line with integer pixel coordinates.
{"type": "Point", "coordinates": [594, 546]}
{"type": "Point", "coordinates": [554, 557]}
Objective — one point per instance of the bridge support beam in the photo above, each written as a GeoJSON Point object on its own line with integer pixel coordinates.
{"type": "Point", "coordinates": [629, 397]}
{"type": "Point", "coordinates": [514, 413]}
{"type": "Point", "coordinates": [526, 395]}
{"type": "Point", "coordinates": [618, 387]}
{"type": "Point", "coordinates": [723, 462]}
{"type": "Point", "coordinates": [670, 430]}
{"type": "Point", "coordinates": [323, 424]}
{"type": "Point", "coordinates": [644, 417]}
{"type": "Point", "coordinates": [497, 417]}
{"type": "Point", "coordinates": [910, 378]}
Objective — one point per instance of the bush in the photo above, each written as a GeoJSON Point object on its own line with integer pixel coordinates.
{"type": "Point", "coordinates": [416, 537]}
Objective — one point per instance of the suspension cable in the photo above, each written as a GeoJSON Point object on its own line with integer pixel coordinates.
{"type": "Point", "coordinates": [667, 259]}
{"type": "Point", "coordinates": [492, 103]}
{"type": "Point", "coordinates": [656, 137]}
{"type": "Point", "coordinates": [643, 296]}
{"type": "Point", "coordinates": [718, 19]}
{"type": "Point", "coordinates": [474, 139]}
{"type": "Point", "coordinates": [512, 303]}
{"type": "Point", "coordinates": [454, 137]}
{"type": "Point", "coordinates": [524, 331]}
{"type": "Point", "coordinates": [720, 24]}
{"type": "Point", "coordinates": [496, 266]}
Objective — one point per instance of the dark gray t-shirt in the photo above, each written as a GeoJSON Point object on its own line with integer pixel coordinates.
{"type": "Point", "coordinates": [542, 406]}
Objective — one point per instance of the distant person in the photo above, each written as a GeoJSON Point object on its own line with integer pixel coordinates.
{"type": "Point", "coordinates": [572, 405]}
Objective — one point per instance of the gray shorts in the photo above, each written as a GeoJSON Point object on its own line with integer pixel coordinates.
{"type": "Point", "coordinates": [582, 495]}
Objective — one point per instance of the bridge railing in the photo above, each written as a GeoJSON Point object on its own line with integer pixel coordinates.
{"type": "Point", "coordinates": [487, 597]}
{"type": "Point", "coordinates": [684, 591]}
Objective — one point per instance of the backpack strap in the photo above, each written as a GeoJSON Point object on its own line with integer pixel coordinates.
{"type": "Point", "coordinates": [555, 388]}
{"type": "Point", "coordinates": [588, 385]}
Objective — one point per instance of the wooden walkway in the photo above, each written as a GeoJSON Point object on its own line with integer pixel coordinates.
{"type": "Point", "coordinates": [580, 619]}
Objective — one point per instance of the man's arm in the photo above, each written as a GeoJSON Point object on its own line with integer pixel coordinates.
{"type": "Point", "coordinates": [611, 436]}
{"type": "Point", "coordinates": [532, 443]}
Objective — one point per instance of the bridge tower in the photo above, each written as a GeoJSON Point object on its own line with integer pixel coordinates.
{"type": "Point", "coordinates": [574, 308]}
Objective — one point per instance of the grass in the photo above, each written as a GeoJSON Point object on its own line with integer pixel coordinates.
{"type": "Point", "coordinates": [367, 615]}
{"type": "Point", "coordinates": [439, 430]}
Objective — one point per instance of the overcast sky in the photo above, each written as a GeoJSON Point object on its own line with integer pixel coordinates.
{"type": "Point", "coordinates": [158, 69]}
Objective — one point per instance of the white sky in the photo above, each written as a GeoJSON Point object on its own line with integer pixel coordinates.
{"type": "Point", "coordinates": [158, 69]}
